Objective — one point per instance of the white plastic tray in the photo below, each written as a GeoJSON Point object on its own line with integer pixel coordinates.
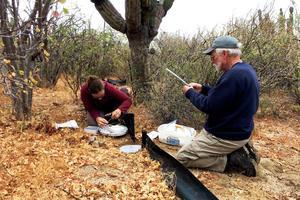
{"type": "Point", "coordinates": [109, 130]}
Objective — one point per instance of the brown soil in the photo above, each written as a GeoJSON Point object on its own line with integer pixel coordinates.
{"type": "Point", "coordinates": [39, 162]}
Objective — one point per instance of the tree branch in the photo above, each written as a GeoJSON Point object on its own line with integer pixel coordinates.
{"type": "Point", "coordinates": [46, 9]}
{"type": "Point", "coordinates": [9, 47]}
{"type": "Point", "coordinates": [15, 13]}
{"type": "Point", "coordinates": [133, 15]}
{"type": "Point", "coordinates": [155, 20]}
{"type": "Point", "coordinates": [110, 15]}
{"type": "Point", "coordinates": [159, 12]}
{"type": "Point", "coordinates": [167, 4]}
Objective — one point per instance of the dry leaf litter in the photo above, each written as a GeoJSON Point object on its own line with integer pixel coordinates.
{"type": "Point", "coordinates": [39, 162]}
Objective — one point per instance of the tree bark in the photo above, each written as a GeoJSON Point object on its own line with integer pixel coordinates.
{"type": "Point", "coordinates": [20, 42]}
{"type": "Point", "coordinates": [143, 18]}
{"type": "Point", "coordinates": [139, 63]}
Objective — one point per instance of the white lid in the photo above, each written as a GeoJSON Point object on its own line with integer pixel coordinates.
{"type": "Point", "coordinates": [130, 148]}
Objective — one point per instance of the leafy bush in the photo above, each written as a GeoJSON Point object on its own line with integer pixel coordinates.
{"type": "Point", "coordinates": [81, 51]}
{"type": "Point", "coordinates": [184, 57]}
{"type": "Point", "coordinates": [273, 52]}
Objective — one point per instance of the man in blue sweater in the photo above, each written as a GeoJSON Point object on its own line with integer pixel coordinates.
{"type": "Point", "coordinates": [230, 106]}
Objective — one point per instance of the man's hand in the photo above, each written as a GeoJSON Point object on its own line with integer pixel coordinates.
{"type": "Point", "coordinates": [101, 121]}
{"type": "Point", "coordinates": [185, 88]}
{"type": "Point", "coordinates": [196, 86]}
{"type": "Point", "coordinates": [116, 114]}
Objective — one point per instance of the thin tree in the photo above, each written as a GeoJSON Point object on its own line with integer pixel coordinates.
{"type": "Point", "coordinates": [141, 23]}
{"type": "Point", "coordinates": [22, 44]}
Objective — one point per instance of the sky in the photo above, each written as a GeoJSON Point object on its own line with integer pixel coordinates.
{"type": "Point", "coordinates": [187, 17]}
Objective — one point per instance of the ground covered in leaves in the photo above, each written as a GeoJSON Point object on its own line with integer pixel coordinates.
{"type": "Point", "coordinates": [39, 162]}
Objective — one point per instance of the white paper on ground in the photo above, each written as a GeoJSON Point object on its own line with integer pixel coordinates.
{"type": "Point", "coordinates": [68, 124]}
{"type": "Point", "coordinates": [130, 148]}
{"type": "Point", "coordinates": [153, 134]}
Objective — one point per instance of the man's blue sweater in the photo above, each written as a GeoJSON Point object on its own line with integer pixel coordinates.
{"type": "Point", "coordinates": [231, 104]}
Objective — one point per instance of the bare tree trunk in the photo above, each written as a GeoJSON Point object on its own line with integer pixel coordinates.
{"type": "Point", "coordinates": [139, 63]}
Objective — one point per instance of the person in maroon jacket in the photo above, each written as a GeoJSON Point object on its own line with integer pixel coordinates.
{"type": "Point", "coordinates": [101, 99]}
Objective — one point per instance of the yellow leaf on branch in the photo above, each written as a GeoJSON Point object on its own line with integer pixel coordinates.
{"type": "Point", "coordinates": [66, 11]}
{"type": "Point", "coordinates": [46, 53]}
{"type": "Point", "coordinates": [7, 61]}
{"type": "Point", "coordinates": [33, 80]}
{"type": "Point", "coordinates": [21, 72]}
{"type": "Point", "coordinates": [37, 29]}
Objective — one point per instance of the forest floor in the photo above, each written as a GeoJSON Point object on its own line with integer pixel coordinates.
{"type": "Point", "coordinates": [40, 162]}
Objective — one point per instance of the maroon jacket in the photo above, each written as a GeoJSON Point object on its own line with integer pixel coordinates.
{"type": "Point", "coordinates": [112, 100]}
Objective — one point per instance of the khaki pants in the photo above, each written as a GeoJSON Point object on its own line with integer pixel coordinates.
{"type": "Point", "coordinates": [207, 151]}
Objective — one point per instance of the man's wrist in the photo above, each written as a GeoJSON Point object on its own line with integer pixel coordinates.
{"type": "Point", "coordinates": [188, 92]}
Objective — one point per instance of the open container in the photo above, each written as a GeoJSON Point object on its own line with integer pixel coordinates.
{"type": "Point", "coordinates": [175, 134]}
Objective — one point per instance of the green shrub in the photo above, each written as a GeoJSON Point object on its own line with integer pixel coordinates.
{"type": "Point", "coordinates": [84, 51]}
{"type": "Point", "coordinates": [185, 58]}
{"type": "Point", "coordinates": [273, 52]}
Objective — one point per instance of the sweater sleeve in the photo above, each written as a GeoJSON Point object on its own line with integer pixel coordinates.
{"type": "Point", "coordinates": [87, 102]}
{"type": "Point", "coordinates": [218, 98]}
{"type": "Point", "coordinates": [205, 89]}
{"type": "Point", "coordinates": [124, 99]}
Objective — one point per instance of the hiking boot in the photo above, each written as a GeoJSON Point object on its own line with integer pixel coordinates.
{"type": "Point", "coordinates": [252, 152]}
{"type": "Point", "coordinates": [239, 161]}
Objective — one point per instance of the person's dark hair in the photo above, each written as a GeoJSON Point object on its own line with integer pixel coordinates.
{"type": "Point", "coordinates": [94, 84]}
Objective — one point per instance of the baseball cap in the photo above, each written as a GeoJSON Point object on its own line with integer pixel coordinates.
{"type": "Point", "coordinates": [227, 42]}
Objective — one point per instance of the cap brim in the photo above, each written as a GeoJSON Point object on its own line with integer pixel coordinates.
{"type": "Point", "coordinates": [208, 51]}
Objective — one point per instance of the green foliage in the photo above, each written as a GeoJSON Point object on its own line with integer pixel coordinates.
{"type": "Point", "coordinates": [183, 56]}
{"type": "Point", "coordinates": [83, 52]}
{"type": "Point", "coordinates": [273, 51]}
{"type": "Point", "coordinates": [78, 51]}
{"type": "Point", "coordinates": [268, 107]}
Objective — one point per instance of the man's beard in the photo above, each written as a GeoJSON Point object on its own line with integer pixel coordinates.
{"type": "Point", "coordinates": [217, 67]}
